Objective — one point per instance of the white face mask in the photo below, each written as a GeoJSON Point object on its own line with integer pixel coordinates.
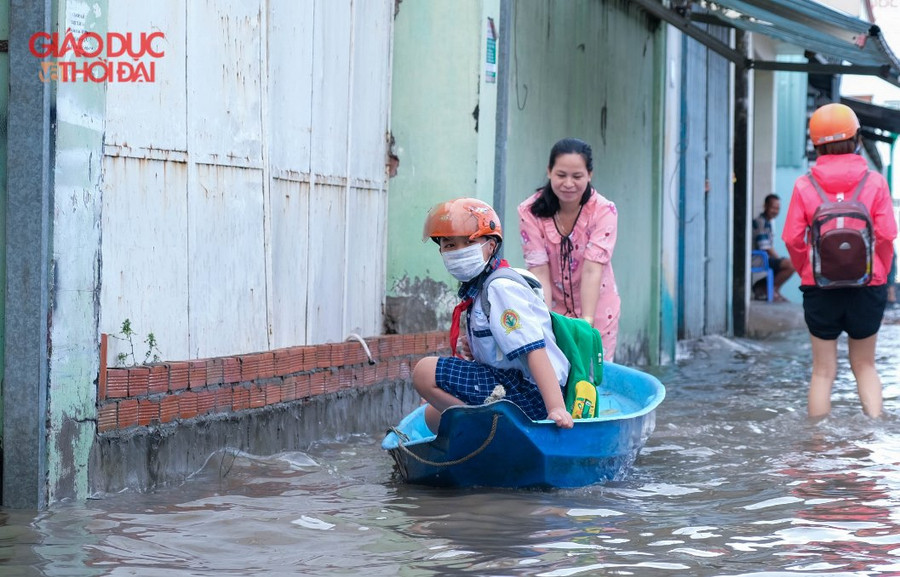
{"type": "Point", "coordinates": [465, 263]}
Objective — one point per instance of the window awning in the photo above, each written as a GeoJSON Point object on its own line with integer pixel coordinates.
{"type": "Point", "coordinates": [877, 122]}
{"type": "Point", "coordinates": [846, 45]}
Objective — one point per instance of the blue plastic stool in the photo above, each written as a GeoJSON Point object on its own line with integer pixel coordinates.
{"type": "Point", "coordinates": [759, 262]}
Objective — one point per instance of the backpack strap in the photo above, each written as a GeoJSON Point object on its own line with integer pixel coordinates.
{"type": "Point", "coordinates": [821, 192]}
{"type": "Point", "coordinates": [817, 186]}
{"type": "Point", "coordinates": [860, 185]}
{"type": "Point", "coordinates": [501, 272]}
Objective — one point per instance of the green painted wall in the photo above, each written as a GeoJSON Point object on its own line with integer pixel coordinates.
{"type": "Point", "coordinates": [442, 120]}
{"type": "Point", "coordinates": [566, 79]}
{"type": "Point", "coordinates": [569, 79]}
{"type": "Point", "coordinates": [74, 359]}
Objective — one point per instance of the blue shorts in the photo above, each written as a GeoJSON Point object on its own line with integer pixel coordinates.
{"type": "Point", "coordinates": [472, 383]}
{"type": "Point", "coordinates": [856, 311]}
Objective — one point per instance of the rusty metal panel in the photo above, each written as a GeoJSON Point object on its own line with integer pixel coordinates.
{"type": "Point", "coordinates": [290, 57]}
{"type": "Point", "coordinates": [330, 86]}
{"type": "Point", "coordinates": [144, 255]}
{"type": "Point", "coordinates": [227, 268]}
{"type": "Point", "coordinates": [150, 114]}
{"type": "Point", "coordinates": [290, 245]}
{"type": "Point", "coordinates": [224, 71]}
{"type": "Point", "coordinates": [365, 275]}
{"type": "Point", "coordinates": [370, 96]}
{"type": "Point", "coordinates": [325, 262]}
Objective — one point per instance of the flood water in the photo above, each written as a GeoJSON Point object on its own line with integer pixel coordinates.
{"type": "Point", "coordinates": [734, 481]}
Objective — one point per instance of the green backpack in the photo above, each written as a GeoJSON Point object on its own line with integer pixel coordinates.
{"type": "Point", "coordinates": [576, 338]}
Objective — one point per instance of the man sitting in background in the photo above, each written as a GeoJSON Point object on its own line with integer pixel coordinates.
{"type": "Point", "coordinates": [762, 240]}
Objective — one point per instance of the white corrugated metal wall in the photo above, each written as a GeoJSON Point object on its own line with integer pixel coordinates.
{"type": "Point", "coordinates": [244, 191]}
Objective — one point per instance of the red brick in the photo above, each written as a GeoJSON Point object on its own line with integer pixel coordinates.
{"type": "Point", "coordinates": [249, 368]}
{"type": "Point", "coordinates": [303, 382]}
{"type": "Point", "coordinates": [206, 401]}
{"type": "Point", "coordinates": [224, 399]}
{"type": "Point", "coordinates": [434, 341]}
{"type": "Point", "coordinates": [283, 359]}
{"type": "Point", "coordinates": [297, 356]}
{"type": "Point", "coordinates": [369, 375]}
{"type": "Point", "coordinates": [373, 348]}
{"type": "Point", "coordinates": [158, 381]}
{"type": "Point", "coordinates": [179, 373]}
{"type": "Point", "coordinates": [356, 354]}
{"type": "Point", "coordinates": [107, 417]}
{"type": "Point", "coordinates": [339, 353]}
{"type": "Point", "coordinates": [393, 370]}
{"type": "Point", "coordinates": [309, 358]}
{"type": "Point", "coordinates": [323, 356]}
{"type": "Point", "coordinates": [289, 389]}
{"type": "Point", "coordinates": [168, 409]}
{"type": "Point", "coordinates": [404, 370]}
{"type": "Point", "coordinates": [408, 346]}
{"type": "Point", "coordinates": [240, 398]}
{"type": "Point", "coordinates": [148, 412]}
{"type": "Point", "coordinates": [346, 378]}
{"type": "Point", "coordinates": [138, 381]}
{"type": "Point", "coordinates": [116, 383]}
{"type": "Point", "coordinates": [381, 371]}
{"type": "Point", "coordinates": [266, 365]}
{"type": "Point", "coordinates": [257, 396]}
{"type": "Point", "coordinates": [128, 413]}
{"type": "Point", "coordinates": [387, 349]}
{"type": "Point", "coordinates": [421, 343]}
{"type": "Point", "coordinates": [215, 372]}
{"type": "Point", "coordinates": [232, 370]}
{"type": "Point", "coordinates": [273, 393]}
{"type": "Point", "coordinates": [101, 377]}
{"type": "Point", "coordinates": [316, 383]}
{"type": "Point", "coordinates": [332, 381]}
{"type": "Point", "coordinates": [197, 374]}
{"type": "Point", "coordinates": [187, 403]}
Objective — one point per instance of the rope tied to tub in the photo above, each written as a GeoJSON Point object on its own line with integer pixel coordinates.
{"type": "Point", "coordinates": [401, 437]}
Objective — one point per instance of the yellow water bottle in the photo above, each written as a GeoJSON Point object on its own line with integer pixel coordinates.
{"type": "Point", "coordinates": [585, 400]}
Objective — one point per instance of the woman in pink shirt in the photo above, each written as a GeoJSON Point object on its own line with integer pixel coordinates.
{"type": "Point", "coordinates": [568, 237]}
{"type": "Point", "coordinates": [858, 311]}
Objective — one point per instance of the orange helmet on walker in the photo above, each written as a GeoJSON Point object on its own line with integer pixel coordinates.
{"type": "Point", "coordinates": [832, 123]}
{"type": "Point", "coordinates": [468, 217]}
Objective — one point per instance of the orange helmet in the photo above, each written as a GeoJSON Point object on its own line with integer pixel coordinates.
{"type": "Point", "coordinates": [467, 217]}
{"type": "Point", "coordinates": [833, 123]}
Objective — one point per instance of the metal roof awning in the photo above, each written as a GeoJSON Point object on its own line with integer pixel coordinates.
{"type": "Point", "coordinates": [877, 122]}
{"type": "Point", "coordinates": [857, 45]}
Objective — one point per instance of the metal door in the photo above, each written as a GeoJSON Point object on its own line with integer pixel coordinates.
{"type": "Point", "coordinates": [705, 194]}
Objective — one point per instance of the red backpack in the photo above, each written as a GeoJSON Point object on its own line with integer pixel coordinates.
{"type": "Point", "coordinates": [841, 240]}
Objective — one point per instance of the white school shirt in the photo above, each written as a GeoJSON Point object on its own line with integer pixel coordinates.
{"type": "Point", "coordinates": [519, 324]}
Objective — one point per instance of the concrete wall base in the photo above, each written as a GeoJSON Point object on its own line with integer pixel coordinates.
{"type": "Point", "coordinates": [146, 458]}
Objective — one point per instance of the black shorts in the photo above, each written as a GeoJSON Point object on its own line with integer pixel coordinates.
{"type": "Point", "coordinates": [856, 311]}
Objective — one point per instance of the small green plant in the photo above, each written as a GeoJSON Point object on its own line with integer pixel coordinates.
{"type": "Point", "coordinates": [128, 335]}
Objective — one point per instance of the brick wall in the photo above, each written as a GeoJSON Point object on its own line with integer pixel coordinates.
{"type": "Point", "coordinates": [172, 392]}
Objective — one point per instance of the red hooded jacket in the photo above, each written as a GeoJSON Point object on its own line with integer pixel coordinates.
{"type": "Point", "coordinates": [840, 173]}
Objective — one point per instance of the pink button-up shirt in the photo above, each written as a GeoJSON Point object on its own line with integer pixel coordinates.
{"type": "Point", "coordinates": [593, 238]}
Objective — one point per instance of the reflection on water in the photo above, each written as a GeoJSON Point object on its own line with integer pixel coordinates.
{"type": "Point", "coordinates": [734, 481]}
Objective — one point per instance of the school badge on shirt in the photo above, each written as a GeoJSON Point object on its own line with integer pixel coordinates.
{"type": "Point", "coordinates": [510, 320]}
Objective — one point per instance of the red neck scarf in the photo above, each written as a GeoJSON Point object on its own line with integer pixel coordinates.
{"type": "Point", "coordinates": [464, 306]}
